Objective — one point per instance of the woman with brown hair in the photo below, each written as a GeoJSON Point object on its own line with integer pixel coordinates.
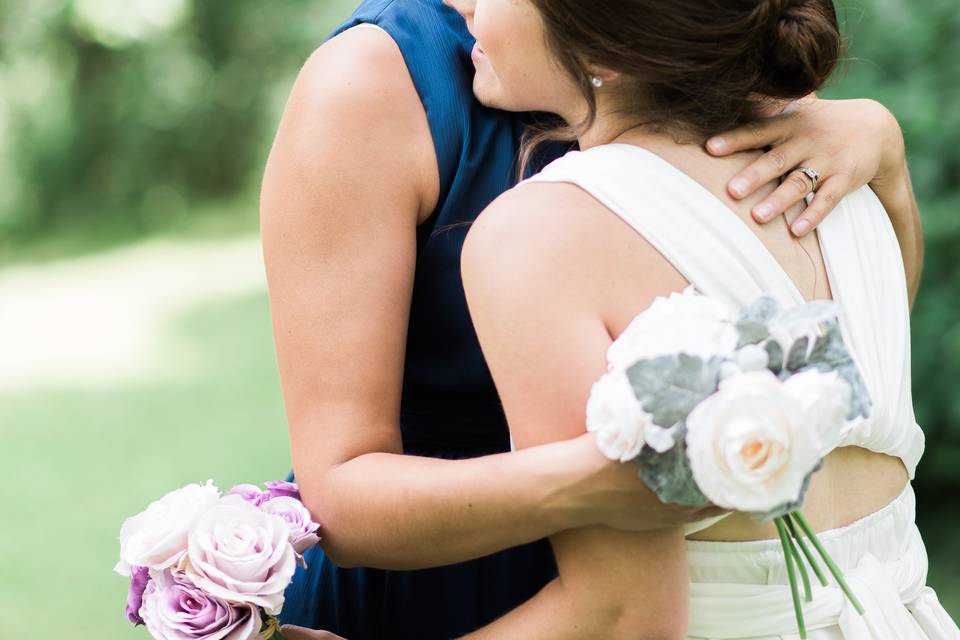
{"type": "Point", "coordinates": [432, 527]}
{"type": "Point", "coordinates": [556, 268]}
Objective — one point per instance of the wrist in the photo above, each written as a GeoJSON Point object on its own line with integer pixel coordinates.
{"type": "Point", "coordinates": [572, 479]}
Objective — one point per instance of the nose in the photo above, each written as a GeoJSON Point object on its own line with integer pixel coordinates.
{"type": "Point", "coordinates": [463, 7]}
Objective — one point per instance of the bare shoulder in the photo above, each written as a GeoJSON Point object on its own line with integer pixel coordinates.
{"type": "Point", "coordinates": [363, 65]}
{"type": "Point", "coordinates": [535, 228]}
{"type": "Point", "coordinates": [556, 245]}
{"type": "Point", "coordinates": [354, 107]}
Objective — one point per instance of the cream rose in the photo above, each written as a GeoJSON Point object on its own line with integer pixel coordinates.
{"type": "Point", "coordinates": [688, 323]}
{"type": "Point", "coordinates": [238, 553]}
{"type": "Point", "coordinates": [750, 444]}
{"type": "Point", "coordinates": [615, 415]}
{"type": "Point", "coordinates": [157, 537]}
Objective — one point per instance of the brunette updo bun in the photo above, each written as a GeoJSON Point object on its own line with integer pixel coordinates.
{"type": "Point", "coordinates": [698, 66]}
{"type": "Point", "coordinates": [801, 49]}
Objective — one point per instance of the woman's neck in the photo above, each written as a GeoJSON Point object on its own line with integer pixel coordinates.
{"type": "Point", "coordinates": [610, 129]}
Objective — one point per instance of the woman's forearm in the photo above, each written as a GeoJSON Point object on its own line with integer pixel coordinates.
{"type": "Point", "coordinates": [894, 188]}
{"type": "Point", "coordinates": [402, 512]}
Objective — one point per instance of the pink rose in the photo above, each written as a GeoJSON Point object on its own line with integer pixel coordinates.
{"type": "Point", "coordinates": [302, 528]}
{"type": "Point", "coordinates": [237, 552]}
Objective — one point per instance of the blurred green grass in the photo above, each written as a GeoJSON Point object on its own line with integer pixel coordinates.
{"type": "Point", "coordinates": [113, 140]}
{"type": "Point", "coordinates": [79, 461]}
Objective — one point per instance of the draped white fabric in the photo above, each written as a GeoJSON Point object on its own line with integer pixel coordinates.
{"type": "Point", "coordinates": [740, 589]}
{"type": "Point", "coordinates": [718, 253]}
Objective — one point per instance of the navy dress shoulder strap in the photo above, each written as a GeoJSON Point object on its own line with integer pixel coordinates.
{"type": "Point", "coordinates": [450, 408]}
{"type": "Point", "coordinates": [435, 45]}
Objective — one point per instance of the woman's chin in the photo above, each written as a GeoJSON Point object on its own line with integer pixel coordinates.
{"type": "Point", "coordinates": [490, 94]}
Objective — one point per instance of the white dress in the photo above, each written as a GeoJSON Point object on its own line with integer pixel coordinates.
{"type": "Point", "coordinates": [739, 590]}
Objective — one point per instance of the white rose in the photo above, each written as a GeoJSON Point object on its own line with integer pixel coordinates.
{"type": "Point", "coordinates": [824, 399]}
{"type": "Point", "coordinates": [238, 553]}
{"type": "Point", "coordinates": [752, 357]}
{"type": "Point", "coordinates": [659, 439]}
{"type": "Point", "coordinates": [157, 537]}
{"type": "Point", "coordinates": [615, 415]}
{"type": "Point", "coordinates": [688, 323]}
{"type": "Point", "coordinates": [750, 446]}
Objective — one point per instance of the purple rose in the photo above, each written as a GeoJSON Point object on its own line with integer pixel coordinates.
{"type": "Point", "coordinates": [302, 528]}
{"type": "Point", "coordinates": [139, 577]}
{"type": "Point", "coordinates": [176, 609]}
{"type": "Point", "coordinates": [249, 492]}
{"type": "Point", "coordinates": [281, 488]}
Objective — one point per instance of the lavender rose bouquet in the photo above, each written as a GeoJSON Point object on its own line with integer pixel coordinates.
{"type": "Point", "coordinates": [206, 566]}
{"type": "Point", "coordinates": [732, 409]}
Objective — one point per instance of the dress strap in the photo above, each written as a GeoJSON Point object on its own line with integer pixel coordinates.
{"type": "Point", "coordinates": [693, 229]}
{"type": "Point", "coordinates": [433, 40]}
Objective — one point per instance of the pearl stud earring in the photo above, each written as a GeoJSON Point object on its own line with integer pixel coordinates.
{"type": "Point", "coordinates": [597, 81]}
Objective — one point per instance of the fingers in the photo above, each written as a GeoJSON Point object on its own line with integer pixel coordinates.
{"type": "Point", "coordinates": [290, 632]}
{"type": "Point", "coordinates": [754, 135]}
{"type": "Point", "coordinates": [795, 187]}
{"type": "Point", "coordinates": [824, 201]}
{"type": "Point", "coordinates": [769, 167]}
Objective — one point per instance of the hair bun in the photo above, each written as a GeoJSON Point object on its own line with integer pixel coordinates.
{"type": "Point", "coordinates": [801, 47]}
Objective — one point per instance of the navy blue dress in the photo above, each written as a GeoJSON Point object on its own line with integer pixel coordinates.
{"type": "Point", "coordinates": [450, 408]}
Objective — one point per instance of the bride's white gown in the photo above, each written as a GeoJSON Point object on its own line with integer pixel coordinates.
{"type": "Point", "coordinates": [739, 590]}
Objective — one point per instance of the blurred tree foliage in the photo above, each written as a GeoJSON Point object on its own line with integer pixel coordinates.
{"type": "Point", "coordinates": [123, 115]}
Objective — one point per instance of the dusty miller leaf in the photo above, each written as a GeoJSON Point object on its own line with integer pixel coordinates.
{"type": "Point", "coordinates": [670, 387]}
{"type": "Point", "coordinates": [753, 323]}
{"type": "Point", "coordinates": [669, 475]}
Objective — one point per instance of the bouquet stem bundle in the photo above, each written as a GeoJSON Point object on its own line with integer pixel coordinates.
{"type": "Point", "coordinates": [795, 551]}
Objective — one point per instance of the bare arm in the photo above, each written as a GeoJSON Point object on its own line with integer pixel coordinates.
{"type": "Point", "coordinates": [535, 268]}
{"type": "Point", "coordinates": [851, 143]}
{"type": "Point", "coordinates": [350, 175]}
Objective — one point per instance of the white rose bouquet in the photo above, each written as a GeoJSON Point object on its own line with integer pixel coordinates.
{"type": "Point", "coordinates": [206, 566]}
{"type": "Point", "coordinates": [733, 409]}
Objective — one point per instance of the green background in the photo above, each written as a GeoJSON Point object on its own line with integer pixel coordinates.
{"type": "Point", "coordinates": [135, 344]}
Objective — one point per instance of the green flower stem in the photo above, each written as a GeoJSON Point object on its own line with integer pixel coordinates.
{"type": "Point", "coordinates": [798, 560]}
{"type": "Point", "coordinates": [811, 559]}
{"type": "Point", "coordinates": [792, 576]}
{"type": "Point", "coordinates": [834, 569]}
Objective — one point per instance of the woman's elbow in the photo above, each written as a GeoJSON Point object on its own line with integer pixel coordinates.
{"type": "Point", "coordinates": [323, 508]}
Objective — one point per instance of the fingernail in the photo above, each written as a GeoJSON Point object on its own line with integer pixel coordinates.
{"type": "Point", "coordinates": [763, 211]}
{"type": "Point", "coordinates": [739, 186]}
{"type": "Point", "coordinates": [801, 227]}
{"type": "Point", "coordinates": [717, 144]}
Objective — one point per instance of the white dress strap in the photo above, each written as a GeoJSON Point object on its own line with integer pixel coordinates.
{"type": "Point", "coordinates": [693, 229]}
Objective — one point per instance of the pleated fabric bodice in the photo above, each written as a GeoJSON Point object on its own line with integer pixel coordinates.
{"type": "Point", "coordinates": [718, 254]}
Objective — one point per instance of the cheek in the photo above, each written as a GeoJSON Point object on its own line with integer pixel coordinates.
{"type": "Point", "coordinates": [511, 36]}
